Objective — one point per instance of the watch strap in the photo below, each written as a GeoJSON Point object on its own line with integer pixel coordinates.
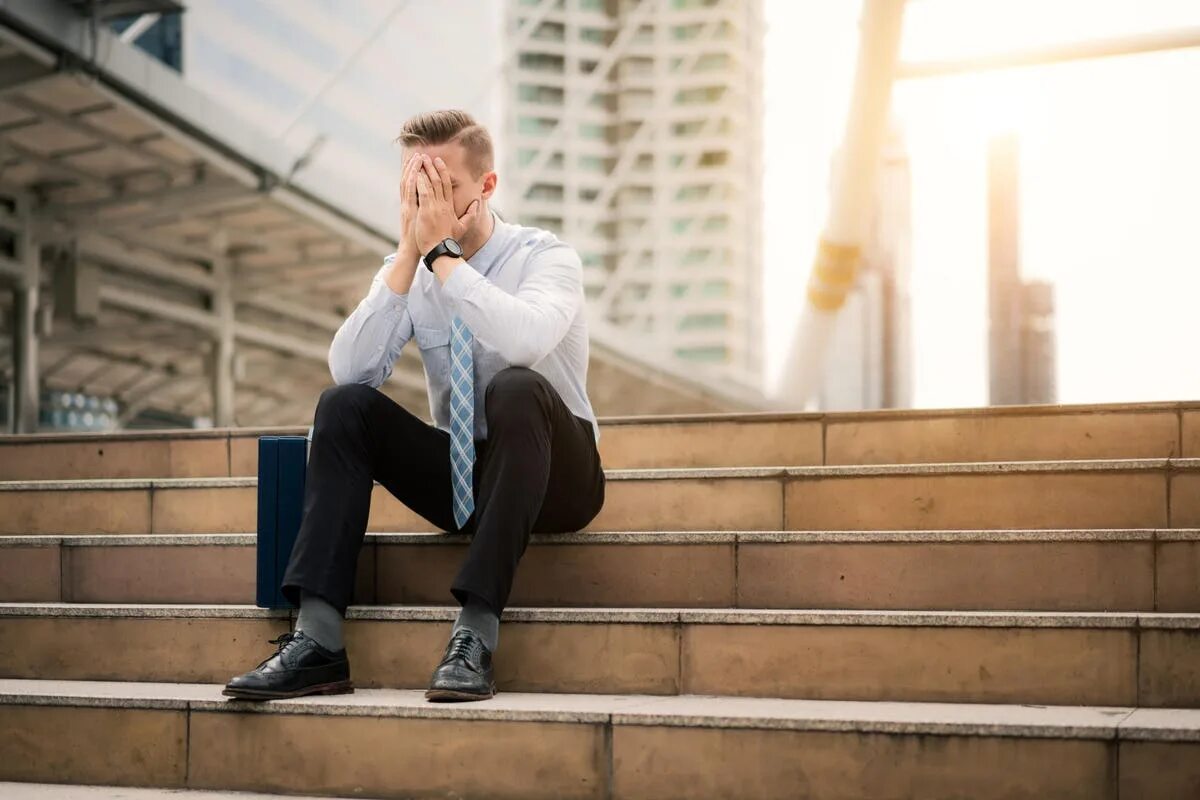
{"type": "Point", "coordinates": [439, 250]}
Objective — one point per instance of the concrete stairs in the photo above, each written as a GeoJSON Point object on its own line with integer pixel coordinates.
{"type": "Point", "coordinates": [988, 603]}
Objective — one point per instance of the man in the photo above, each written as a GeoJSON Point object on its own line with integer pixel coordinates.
{"type": "Point", "coordinates": [497, 311]}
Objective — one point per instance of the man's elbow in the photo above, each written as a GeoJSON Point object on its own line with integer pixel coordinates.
{"type": "Point", "coordinates": [524, 354]}
{"type": "Point", "coordinates": [342, 375]}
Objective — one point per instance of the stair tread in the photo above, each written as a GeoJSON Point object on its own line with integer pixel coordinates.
{"type": "Point", "coordinates": [668, 473]}
{"type": "Point", "coordinates": [644, 537]}
{"type": "Point", "coordinates": [980, 719]}
{"type": "Point", "coordinates": [914, 414]}
{"type": "Point", "coordinates": [601, 614]}
{"type": "Point", "coordinates": [68, 791]}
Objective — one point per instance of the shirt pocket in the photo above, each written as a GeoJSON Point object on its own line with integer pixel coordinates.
{"type": "Point", "coordinates": [434, 344]}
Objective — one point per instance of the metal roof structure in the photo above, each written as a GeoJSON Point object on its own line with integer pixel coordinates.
{"type": "Point", "coordinates": [107, 9]}
{"type": "Point", "coordinates": [188, 270]}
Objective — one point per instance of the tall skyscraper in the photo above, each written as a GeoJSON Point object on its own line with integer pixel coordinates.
{"type": "Point", "coordinates": [635, 131]}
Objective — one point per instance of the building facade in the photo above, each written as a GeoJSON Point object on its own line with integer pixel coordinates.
{"type": "Point", "coordinates": [635, 131]}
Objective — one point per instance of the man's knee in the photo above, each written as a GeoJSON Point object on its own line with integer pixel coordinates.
{"type": "Point", "coordinates": [514, 390]}
{"type": "Point", "coordinates": [337, 400]}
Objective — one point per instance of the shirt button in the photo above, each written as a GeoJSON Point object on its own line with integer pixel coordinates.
{"type": "Point", "coordinates": [379, 347]}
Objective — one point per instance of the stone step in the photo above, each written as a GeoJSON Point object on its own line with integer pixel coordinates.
{"type": "Point", "coordinates": [1117, 658]}
{"type": "Point", "coordinates": [1133, 493]}
{"type": "Point", "coordinates": [1051, 570]}
{"type": "Point", "coordinates": [1026, 433]}
{"type": "Point", "coordinates": [389, 743]}
{"type": "Point", "coordinates": [10, 790]}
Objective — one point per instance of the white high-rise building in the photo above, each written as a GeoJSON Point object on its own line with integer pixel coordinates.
{"type": "Point", "coordinates": [635, 132]}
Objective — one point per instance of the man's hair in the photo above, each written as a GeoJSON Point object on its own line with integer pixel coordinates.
{"type": "Point", "coordinates": [451, 125]}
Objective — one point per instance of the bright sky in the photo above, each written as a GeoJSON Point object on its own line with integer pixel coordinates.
{"type": "Point", "coordinates": [1110, 185]}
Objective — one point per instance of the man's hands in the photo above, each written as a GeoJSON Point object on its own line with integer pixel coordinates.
{"type": "Point", "coordinates": [426, 217]}
{"type": "Point", "coordinates": [436, 218]}
{"type": "Point", "coordinates": [408, 210]}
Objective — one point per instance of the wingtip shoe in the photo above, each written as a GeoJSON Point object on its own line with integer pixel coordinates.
{"type": "Point", "coordinates": [300, 666]}
{"type": "Point", "coordinates": [465, 672]}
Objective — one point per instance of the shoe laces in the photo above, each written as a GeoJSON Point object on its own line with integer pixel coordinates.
{"type": "Point", "coordinates": [282, 642]}
{"type": "Point", "coordinates": [461, 644]}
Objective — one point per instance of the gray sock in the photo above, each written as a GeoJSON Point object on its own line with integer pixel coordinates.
{"type": "Point", "coordinates": [320, 621]}
{"type": "Point", "coordinates": [479, 617]}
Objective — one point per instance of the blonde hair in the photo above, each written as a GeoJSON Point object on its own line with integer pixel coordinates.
{"type": "Point", "coordinates": [451, 125]}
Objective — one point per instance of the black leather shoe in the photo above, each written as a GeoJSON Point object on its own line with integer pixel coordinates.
{"type": "Point", "coordinates": [466, 670]}
{"type": "Point", "coordinates": [300, 666]}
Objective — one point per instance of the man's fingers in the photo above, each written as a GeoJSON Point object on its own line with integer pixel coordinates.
{"type": "Point", "coordinates": [408, 186]}
{"type": "Point", "coordinates": [435, 182]}
{"type": "Point", "coordinates": [410, 183]}
{"type": "Point", "coordinates": [424, 190]}
{"type": "Point", "coordinates": [470, 212]}
{"type": "Point", "coordinates": [406, 175]}
{"type": "Point", "coordinates": [444, 176]}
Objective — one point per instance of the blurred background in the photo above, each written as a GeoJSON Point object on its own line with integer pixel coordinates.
{"type": "Point", "coordinates": [779, 204]}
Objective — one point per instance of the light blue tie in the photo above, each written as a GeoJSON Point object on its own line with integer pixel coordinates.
{"type": "Point", "coordinates": [462, 419]}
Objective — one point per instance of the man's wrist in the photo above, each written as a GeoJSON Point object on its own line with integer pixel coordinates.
{"type": "Point", "coordinates": [400, 277]}
{"type": "Point", "coordinates": [444, 266]}
{"type": "Point", "coordinates": [406, 252]}
{"type": "Point", "coordinates": [425, 248]}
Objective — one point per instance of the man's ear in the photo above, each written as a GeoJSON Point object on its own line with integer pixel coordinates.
{"type": "Point", "coordinates": [489, 184]}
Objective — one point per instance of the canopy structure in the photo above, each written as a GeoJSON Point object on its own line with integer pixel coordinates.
{"type": "Point", "coordinates": [161, 252]}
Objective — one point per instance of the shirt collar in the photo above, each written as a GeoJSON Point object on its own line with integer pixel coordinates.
{"type": "Point", "coordinates": [482, 260]}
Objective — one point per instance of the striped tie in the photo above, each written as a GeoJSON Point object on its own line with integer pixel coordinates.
{"type": "Point", "coordinates": [462, 419]}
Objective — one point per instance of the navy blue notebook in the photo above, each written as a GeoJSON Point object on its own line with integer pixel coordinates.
{"type": "Point", "coordinates": [282, 461]}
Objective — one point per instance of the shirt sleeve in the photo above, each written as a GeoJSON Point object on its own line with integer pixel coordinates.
{"type": "Point", "coordinates": [526, 325]}
{"type": "Point", "coordinates": [366, 346]}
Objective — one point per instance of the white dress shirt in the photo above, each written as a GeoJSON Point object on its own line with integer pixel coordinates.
{"type": "Point", "coordinates": [522, 297]}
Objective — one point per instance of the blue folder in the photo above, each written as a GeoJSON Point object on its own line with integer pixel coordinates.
{"type": "Point", "coordinates": [282, 461]}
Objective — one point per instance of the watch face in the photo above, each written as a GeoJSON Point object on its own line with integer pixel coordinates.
{"type": "Point", "coordinates": [453, 247]}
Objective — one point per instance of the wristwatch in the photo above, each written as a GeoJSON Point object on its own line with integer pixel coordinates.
{"type": "Point", "coordinates": [446, 247]}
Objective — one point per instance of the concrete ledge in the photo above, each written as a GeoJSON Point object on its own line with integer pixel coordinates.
{"type": "Point", "coordinates": [640, 537]}
{"type": "Point", "coordinates": [696, 473]}
{"type": "Point", "coordinates": [662, 616]}
{"type": "Point", "coordinates": [58, 791]}
{"type": "Point", "coordinates": [909, 414]}
{"type": "Point", "coordinates": [1064, 571]}
{"type": "Point", "coordinates": [1162, 725]}
{"type": "Point", "coordinates": [965, 719]}
{"type": "Point", "coordinates": [140, 611]}
{"type": "Point", "coordinates": [570, 745]}
{"type": "Point", "coordinates": [657, 419]}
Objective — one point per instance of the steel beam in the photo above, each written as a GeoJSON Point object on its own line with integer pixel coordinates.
{"type": "Point", "coordinates": [18, 74]}
{"type": "Point", "coordinates": [836, 264]}
{"type": "Point", "coordinates": [80, 124]}
{"type": "Point", "coordinates": [120, 255]}
{"type": "Point", "coordinates": [221, 362]}
{"type": "Point", "coordinates": [25, 385]}
{"type": "Point", "coordinates": [183, 199]}
{"type": "Point", "coordinates": [25, 359]}
{"type": "Point", "coordinates": [251, 334]}
{"type": "Point", "coordinates": [1150, 42]}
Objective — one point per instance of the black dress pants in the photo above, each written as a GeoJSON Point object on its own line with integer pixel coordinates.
{"type": "Point", "coordinates": [538, 471]}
